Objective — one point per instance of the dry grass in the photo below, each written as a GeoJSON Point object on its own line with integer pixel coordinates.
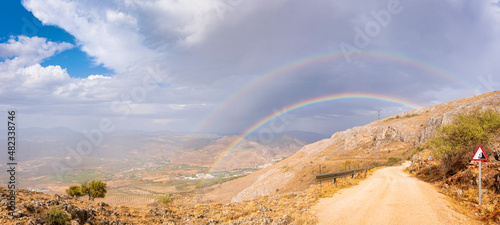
{"type": "Point", "coordinates": [462, 188]}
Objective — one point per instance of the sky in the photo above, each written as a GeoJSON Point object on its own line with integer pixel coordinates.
{"type": "Point", "coordinates": [222, 66]}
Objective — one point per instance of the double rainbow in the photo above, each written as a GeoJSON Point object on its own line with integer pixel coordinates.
{"type": "Point", "coordinates": [310, 102]}
{"type": "Point", "coordinates": [295, 65]}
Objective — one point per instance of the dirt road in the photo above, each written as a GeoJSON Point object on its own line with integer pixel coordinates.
{"type": "Point", "coordinates": [389, 196]}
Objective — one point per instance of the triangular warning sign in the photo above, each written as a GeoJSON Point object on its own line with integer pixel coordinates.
{"type": "Point", "coordinates": [430, 158]}
{"type": "Point", "coordinates": [479, 155]}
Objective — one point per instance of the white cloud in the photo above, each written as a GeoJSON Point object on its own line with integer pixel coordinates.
{"type": "Point", "coordinates": [119, 33]}
{"type": "Point", "coordinates": [94, 87]}
{"type": "Point", "coordinates": [211, 49]}
{"type": "Point", "coordinates": [187, 21]}
{"type": "Point", "coordinates": [39, 77]}
{"type": "Point", "coordinates": [108, 35]}
{"type": "Point", "coordinates": [24, 76]}
{"type": "Point", "coordinates": [20, 68]}
{"type": "Point", "coordinates": [23, 51]}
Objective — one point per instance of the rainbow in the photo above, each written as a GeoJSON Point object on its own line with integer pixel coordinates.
{"type": "Point", "coordinates": [322, 58]}
{"type": "Point", "coordinates": [310, 102]}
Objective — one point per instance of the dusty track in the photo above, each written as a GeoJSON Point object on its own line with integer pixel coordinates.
{"type": "Point", "coordinates": [389, 196]}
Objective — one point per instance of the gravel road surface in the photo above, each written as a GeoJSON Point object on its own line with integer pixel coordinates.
{"type": "Point", "coordinates": [389, 196]}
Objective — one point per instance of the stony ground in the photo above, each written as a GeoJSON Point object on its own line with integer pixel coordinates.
{"type": "Point", "coordinates": [286, 208]}
{"type": "Point", "coordinates": [462, 188]}
{"type": "Point", "coordinates": [279, 209]}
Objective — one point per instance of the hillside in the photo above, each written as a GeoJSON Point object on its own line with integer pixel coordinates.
{"type": "Point", "coordinates": [398, 136]}
{"type": "Point", "coordinates": [248, 154]}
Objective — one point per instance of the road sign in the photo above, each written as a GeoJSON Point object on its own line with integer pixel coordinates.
{"type": "Point", "coordinates": [430, 159]}
{"type": "Point", "coordinates": [479, 155]}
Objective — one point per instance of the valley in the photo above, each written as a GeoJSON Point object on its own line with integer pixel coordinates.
{"type": "Point", "coordinates": [182, 164]}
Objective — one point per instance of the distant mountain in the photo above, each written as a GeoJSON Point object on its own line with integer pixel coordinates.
{"type": "Point", "coordinates": [247, 153]}
{"type": "Point", "coordinates": [33, 143]}
{"type": "Point", "coordinates": [306, 136]}
{"type": "Point", "coordinates": [303, 136]}
{"type": "Point", "coordinates": [192, 149]}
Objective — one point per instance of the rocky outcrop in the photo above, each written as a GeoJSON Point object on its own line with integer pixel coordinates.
{"type": "Point", "coordinates": [279, 209]}
{"type": "Point", "coordinates": [31, 205]}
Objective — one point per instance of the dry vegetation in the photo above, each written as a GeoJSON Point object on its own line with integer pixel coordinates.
{"type": "Point", "coordinates": [454, 173]}
{"type": "Point", "coordinates": [288, 208]}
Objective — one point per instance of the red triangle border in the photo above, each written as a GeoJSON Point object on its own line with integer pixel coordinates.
{"type": "Point", "coordinates": [472, 158]}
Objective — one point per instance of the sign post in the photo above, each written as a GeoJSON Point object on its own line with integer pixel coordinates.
{"type": "Point", "coordinates": [479, 156]}
{"type": "Point", "coordinates": [429, 159]}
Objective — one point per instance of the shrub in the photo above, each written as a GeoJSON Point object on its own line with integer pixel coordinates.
{"type": "Point", "coordinates": [347, 164]}
{"type": "Point", "coordinates": [415, 151]}
{"type": "Point", "coordinates": [74, 191]}
{"type": "Point", "coordinates": [455, 143]}
{"type": "Point", "coordinates": [394, 160]}
{"type": "Point", "coordinates": [410, 115]}
{"type": "Point", "coordinates": [165, 199]}
{"type": "Point", "coordinates": [56, 216]}
{"type": "Point", "coordinates": [94, 189]}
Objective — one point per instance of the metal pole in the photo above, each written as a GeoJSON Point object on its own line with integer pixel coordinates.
{"type": "Point", "coordinates": [479, 182]}
{"type": "Point", "coordinates": [429, 167]}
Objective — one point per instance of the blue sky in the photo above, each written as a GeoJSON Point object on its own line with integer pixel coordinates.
{"type": "Point", "coordinates": [193, 66]}
{"type": "Point", "coordinates": [16, 20]}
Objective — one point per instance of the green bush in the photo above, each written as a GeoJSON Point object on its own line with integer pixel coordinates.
{"type": "Point", "coordinates": [56, 216]}
{"type": "Point", "coordinates": [347, 164]}
{"type": "Point", "coordinates": [165, 199]}
{"type": "Point", "coordinates": [455, 143]}
{"type": "Point", "coordinates": [94, 189]}
{"type": "Point", "coordinates": [74, 191]}
{"type": "Point", "coordinates": [394, 160]}
{"type": "Point", "coordinates": [410, 115]}
{"type": "Point", "coordinates": [415, 151]}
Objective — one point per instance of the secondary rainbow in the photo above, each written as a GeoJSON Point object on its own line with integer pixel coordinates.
{"type": "Point", "coordinates": [322, 58]}
{"type": "Point", "coordinates": [308, 103]}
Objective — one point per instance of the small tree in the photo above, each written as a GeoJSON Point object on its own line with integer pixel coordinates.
{"type": "Point", "coordinates": [94, 189]}
{"type": "Point", "coordinates": [74, 191]}
{"type": "Point", "coordinates": [394, 160]}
